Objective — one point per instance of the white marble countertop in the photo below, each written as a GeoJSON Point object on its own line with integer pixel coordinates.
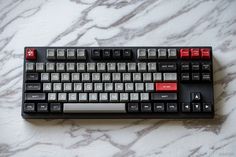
{"type": "Point", "coordinates": [113, 23]}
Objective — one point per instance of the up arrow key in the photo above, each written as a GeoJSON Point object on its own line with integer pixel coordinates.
{"type": "Point", "coordinates": [196, 96]}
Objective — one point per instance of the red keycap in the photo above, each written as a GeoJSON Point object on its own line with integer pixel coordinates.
{"type": "Point", "coordinates": [166, 87]}
{"type": "Point", "coordinates": [205, 53]}
{"type": "Point", "coordinates": [184, 53]}
{"type": "Point", "coordinates": [195, 53]}
{"type": "Point", "coordinates": [30, 54]}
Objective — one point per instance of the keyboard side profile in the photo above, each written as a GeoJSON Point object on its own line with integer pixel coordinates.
{"type": "Point", "coordinates": [118, 82]}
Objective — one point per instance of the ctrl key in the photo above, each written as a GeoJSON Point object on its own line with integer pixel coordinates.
{"type": "Point", "coordinates": [29, 107]}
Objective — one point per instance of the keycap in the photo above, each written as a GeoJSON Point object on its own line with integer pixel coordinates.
{"type": "Point", "coordinates": [65, 77]}
{"type": "Point", "coordinates": [159, 107]}
{"type": "Point", "coordinates": [137, 77]}
{"type": "Point", "coordinates": [60, 67]}
{"type": "Point", "coordinates": [81, 67]}
{"type": "Point", "coordinates": [47, 87]}
{"type": "Point", "coordinates": [152, 67]}
{"type": "Point", "coordinates": [114, 97]}
{"type": "Point", "coordinates": [185, 77]}
{"type": "Point", "coordinates": [141, 54]}
{"type": "Point", "coordinates": [62, 97]}
{"type": "Point", "coordinates": [142, 67]}
{"type": "Point", "coordinates": [106, 54]}
{"type": "Point", "coordinates": [144, 97]}
{"type": "Point", "coordinates": [101, 67]}
{"type": "Point", "coordinates": [88, 87]}
{"type": "Point", "coordinates": [32, 87]}
{"type": "Point", "coordinates": [171, 107]}
{"type": "Point", "coordinates": [184, 53]}
{"type": "Point", "coordinates": [108, 87]}
{"type": "Point", "coordinates": [29, 107]}
{"type": "Point", "coordinates": [195, 76]}
{"type": "Point", "coordinates": [83, 97]}
{"type": "Point", "coordinates": [206, 77]}
{"type": "Point", "coordinates": [149, 87]}
{"type": "Point", "coordinates": [139, 87]}
{"type": "Point", "coordinates": [32, 77]}
{"type": "Point", "coordinates": [127, 77]}
{"type": "Point", "coordinates": [55, 107]}
{"type": "Point", "coordinates": [172, 53]}
{"type": "Point", "coordinates": [70, 67]}
{"type": "Point", "coordinates": [184, 66]}
{"type": "Point", "coordinates": [167, 66]}
{"type": "Point", "coordinates": [124, 97]}
{"type": "Point", "coordinates": [61, 54]}
{"type": "Point", "coordinates": [94, 108]}
{"type": "Point", "coordinates": [91, 67]}
{"type": "Point", "coordinates": [207, 107]}
{"type": "Point", "coordinates": [169, 77]}
{"type": "Point", "coordinates": [116, 77]}
{"type": "Point", "coordinates": [96, 77]}
{"type": "Point", "coordinates": [30, 54]}
{"type": "Point", "coordinates": [52, 97]}
{"type": "Point", "coordinates": [103, 97]}
{"type": "Point", "coordinates": [81, 54]}
{"type": "Point", "coordinates": [133, 107]}
{"type": "Point", "coordinates": [35, 96]}
{"type": "Point", "coordinates": [93, 97]}
{"type": "Point", "coordinates": [157, 77]}
{"type": "Point", "coordinates": [147, 77]}
{"type": "Point", "coordinates": [40, 67]}
{"type": "Point", "coordinates": [127, 54]}
{"type": "Point", "coordinates": [205, 53]}
{"type": "Point", "coordinates": [57, 87]}
{"type": "Point", "coordinates": [98, 87]}
{"type": "Point", "coordinates": [195, 53]}
{"type": "Point", "coordinates": [50, 67]}
{"type": "Point", "coordinates": [71, 54]}
{"type": "Point", "coordinates": [117, 54]}
{"type": "Point", "coordinates": [121, 67]}
{"type": "Point", "coordinates": [186, 107]}
{"type": "Point", "coordinates": [146, 107]}
{"type": "Point", "coordinates": [206, 67]}
{"type": "Point", "coordinates": [106, 77]}
{"type": "Point", "coordinates": [163, 96]}
{"type": "Point", "coordinates": [134, 97]}
{"type": "Point", "coordinates": [51, 54]}
{"type": "Point", "coordinates": [195, 96]}
{"type": "Point", "coordinates": [196, 107]}
{"type": "Point", "coordinates": [111, 67]}
{"type": "Point", "coordinates": [75, 77]}
{"type": "Point", "coordinates": [30, 67]}
{"type": "Point", "coordinates": [42, 107]}
{"type": "Point", "coordinates": [166, 87]}
{"type": "Point", "coordinates": [67, 87]}
{"type": "Point", "coordinates": [152, 54]}
{"type": "Point", "coordinates": [131, 67]}
{"type": "Point", "coordinates": [129, 87]}
{"type": "Point", "coordinates": [195, 67]}
{"type": "Point", "coordinates": [162, 54]}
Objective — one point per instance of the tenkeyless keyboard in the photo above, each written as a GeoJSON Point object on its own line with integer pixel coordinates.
{"type": "Point", "coordinates": [118, 82]}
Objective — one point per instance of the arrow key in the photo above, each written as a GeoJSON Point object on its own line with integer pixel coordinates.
{"type": "Point", "coordinates": [186, 107]}
{"type": "Point", "coordinates": [196, 96]}
{"type": "Point", "coordinates": [196, 107]}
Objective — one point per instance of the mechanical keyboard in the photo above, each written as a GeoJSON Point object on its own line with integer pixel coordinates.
{"type": "Point", "coordinates": [118, 82]}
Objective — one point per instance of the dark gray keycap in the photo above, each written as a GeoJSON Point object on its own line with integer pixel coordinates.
{"type": "Point", "coordinates": [51, 54]}
{"type": "Point", "coordinates": [55, 77]}
{"type": "Point", "coordinates": [62, 97]}
{"type": "Point", "coordinates": [141, 54]}
{"type": "Point", "coordinates": [32, 87]}
{"type": "Point", "coordinates": [172, 54]}
{"type": "Point", "coordinates": [162, 54]}
{"type": "Point", "coordinates": [163, 96]}
{"type": "Point", "coordinates": [32, 77]}
{"type": "Point", "coordinates": [60, 67]}
{"type": "Point", "coordinates": [71, 54]}
{"type": "Point", "coordinates": [42, 107]}
{"type": "Point", "coordinates": [81, 67]}
{"type": "Point", "coordinates": [81, 54]}
{"type": "Point", "coordinates": [152, 54]}
{"type": "Point", "coordinates": [29, 107]}
{"type": "Point", "coordinates": [40, 67]}
{"type": "Point", "coordinates": [61, 54]}
{"type": "Point", "coordinates": [30, 67]}
{"type": "Point", "coordinates": [52, 97]}
{"type": "Point", "coordinates": [70, 67]}
{"type": "Point", "coordinates": [35, 96]}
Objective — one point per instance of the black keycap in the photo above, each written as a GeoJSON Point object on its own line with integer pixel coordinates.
{"type": "Point", "coordinates": [42, 107]}
{"type": "Point", "coordinates": [117, 54]}
{"type": "Point", "coordinates": [55, 107]}
{"type": "Point", "coordinates": [184, 66]}
{"type": "Point", "coordinates": [159, 107]}
{"type": "Point", "coordinates": [185, 77]}
{"type": "Point", "coordinates": [106, 54]}
{"type": "Point", "coordinates": [163, 96]}
{"type": "Point", "coordinates": [96, 54]}
{"type": "Point", "coordinates": [133, 107]}
{"type": "Point", "coordinates": [29, 107]}
{"type": "Point", "coordinates": [195, 76]}
{"type": "Point", "coordinates": [32, 87]}
{"type": "Point", "coordinates": [127, 54]}
{"type": "Point", "coordinates": [206, 77]}
{"type": "Point", "coordinates": [32, 77]}
{"type": "Point", "coordinates": [35, 96]}
{"type": "Point", "coordinates": [207, 107]}
{"type": "Point", "coordinates": [195, 96]}
{"type": "Point", "coordinates": [196, 107]}
{"type": "Point", "coordinates": [195, 67]}
{"type": "Point", "coordinates": [171, 107]}
{"type": "Point", "coordinates": [146, 107]}
{"type": "Point", "coordinates": [167, 66]}
{"type": "Point", "coordinates": [206, 67]}
{"type": "Point", "coordinates": [186, 107]}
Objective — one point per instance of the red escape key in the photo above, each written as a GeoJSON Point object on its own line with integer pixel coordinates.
{"type": "Point", "coordinates": [30, 54]}
{"type": "Point", "coordinates": [166, 87]}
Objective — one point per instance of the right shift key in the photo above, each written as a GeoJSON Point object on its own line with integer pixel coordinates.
{"type": "Point", "coordinates": [163, 96]}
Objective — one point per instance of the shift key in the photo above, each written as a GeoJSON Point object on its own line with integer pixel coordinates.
{"type": "Point", "coordinates": [163, 96]}
{"type": "Point", "coordinates": [35, 96]}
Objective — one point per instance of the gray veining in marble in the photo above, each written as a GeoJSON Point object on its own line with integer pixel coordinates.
{"type": "Point", "coordinates": [114, 23]}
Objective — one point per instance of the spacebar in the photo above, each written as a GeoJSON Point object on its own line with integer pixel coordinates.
{"type": "Point", "coordinates": [94, 108]}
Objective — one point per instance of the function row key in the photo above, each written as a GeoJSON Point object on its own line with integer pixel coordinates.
{"type": "Point", "coordinates": [153, 53]}
{"type": "Point", "coordinates": [70, 54]}
{"type": "Point", "coordinates": [195, 53]}
{"type": "Point", "coordinates": [99, 54]}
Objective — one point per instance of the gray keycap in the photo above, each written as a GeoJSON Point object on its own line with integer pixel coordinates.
{"type": "Point", "coordinates": [134, 97]}
{"type": "Point", "coordinates": [127, 77]}
{"type": "Point", "coordinates": [149, 87]}
{"type": "Point", "coordinates": [65, 77]}
{"type": "Point", "coordinates": [51, 54]}
{"type": "Point", "coordinates": [67, 87]}
{"type": "Point", "coordinates": [78, 87]}
{"type": "Point", "coordinates": [52, 97]}
{"type": "Point", "coordinates": [55, 77]}
{"type": "Point", "coordinates": [137, 77]}
{"type": "Point", "coordinates": [162, 54]}
{"type": "Point", "coordinates": [83, 97]}
{"type": "Point", "coordinates": [72, 97]}
{"type": "Point", "coordinates": [152, 67]}
{"type": "Point", "coordinates": [88, 87]}
{"type": "Point", "coordinates": [132, 67]}
{"type": "Point", "coordinates": [139, 87]}
{"type": "Point", "coordinates": [103, 97]}
{"type": "Point", "coordinates": [96, 77]}
{"type": "Point", "coordinates": [129, 87]}
{"type": "Point", "coordinates": [142, 67]}
{"type": "Point", "coordinates": [169, 77]}
{"type": "Point", "coordinates": [144, 96]}
{"type": "Point", "coordinates": [124, 97]}
{"type": "Point", "coordinates": [50, 67]}
{"type": "Point", "coordinates": [70, 67]}
{"type": "Point", "coordinates": [60, 67]}
{"type": "Point", "coordinates": [86, 77]}
{"type": "Point", "coordinates": [98, 87]}
{"type": "Point", "coordinates": [61, 54]}
{"type": "Point", "coordinates": [141, 54]}
{"type": "Point", "coordinates": [30, 67]}
{"type": "Point", "coordinates": [91, 67]}
{"type": "Point", "coordinates": [121, 67]}
{"type": "Point", "coordinates": [81, 54]}
{"type": "Point", "coordinates": [172, 54]}
{"type": "Point", "coordinates": [147, 77]}
{"type": "Point", "coordinates": [114, 97]}
{"type": "Point", "coordinates": [119, 87]}
{"type": "Point", "coordinates": [75, 77]}
{"type": "Point", "coordinates": [40, 67]}
{"type": "Point", "coordinates": [45, 77]}
{"type": "Point", "coordinates": [108, 87]}
{"type": "Point", "coordinates": [116, 77]}
{"type": "Point", "coordinates": [62, 97]}
{"type": "Point", "coordinates": [106, 77]}
{"type": "Point", "coordinates": [111, 67]}
{"type": "Point", "coordinates": [71, 54]}
{"type": "Point", "coordinates": [152, 54]}
{"type": "Point", "coordinates": [101, 67]}
{"type": "Point", "coordinates": [57, 87]}
{"type": "Point", "coordinates": [47, 87]}
{"type": "Point", "coordinates": [81, 67]}
{"type": "Point", "coordinates": [157, 77]}
{"type": "Point", "coordinates": [93, 97]}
